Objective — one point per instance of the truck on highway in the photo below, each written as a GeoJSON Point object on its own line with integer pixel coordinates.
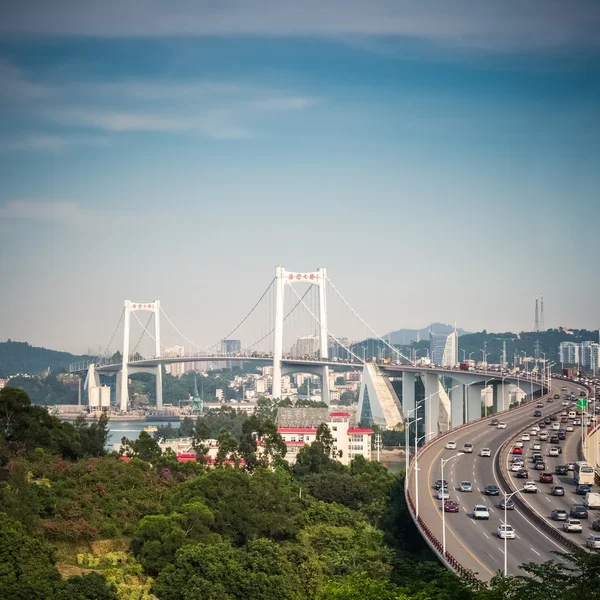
{"type": "Point", "coordinates": [592, 500]}
{"type": "Point", "coordinates": [464, 366]}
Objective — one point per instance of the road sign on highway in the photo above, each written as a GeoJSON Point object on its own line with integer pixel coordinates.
{"type": "Point", "coordinates": [581, 403]}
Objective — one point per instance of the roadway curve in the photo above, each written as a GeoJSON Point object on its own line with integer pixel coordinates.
{"type": "Point", "coordinates": [474, 544]}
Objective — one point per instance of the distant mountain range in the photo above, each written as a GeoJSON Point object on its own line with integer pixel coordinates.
{"type": "Point", "coordinates": [20, 357]}
{"type": "Point", "coordinates": [407, 336]}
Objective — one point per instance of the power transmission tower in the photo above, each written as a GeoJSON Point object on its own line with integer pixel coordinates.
{"type": "Point", "coordinates": [536, 325]}
{"type": "Point", "coordinates": [542, 327]}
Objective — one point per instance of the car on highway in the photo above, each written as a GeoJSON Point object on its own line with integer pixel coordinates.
{"type": "Point", "coordinates": [546, 477]}
{"type": "Point", "coordinates": [553, 418]}
{"type": "Point", "coordinates": [557, 490]}
{"type": "Point", "coordinates": [510, 505]}
{"type": "Point", "coordinates": [485, 452]}
{"type": "Point", "coordinates": [559, 514]}
{"type": "Point", "coordinates": [577, 422]}
{"type": "Point", "coordinates": [516, 467]}
{"type": "Point", "coordinates": [501, 425]}
{"type": "Point", "coordinates": [494, 422]}
{"type": "Point", "coordinates": [443, 494]}
{"type": "Point", "coordinates": [526, 437]}
{"type": "Point", "coordinates": [451, 506]}
{"type": "Point", "coordinates": [480, 511]}
{"type": "Point", "coordinates": [565, 403]}
{"type": "Point", "coordinates": [573, 526]}
{"type": "Point", "coordinates": [517, 450]}
{"type": "Point", "coordinates": [466, 486]}
{"type": "Point", "coordinates": [596, 525]}
{"type": "Point", "coordinates": [544, 435]}
{"type": "Point", "coordinates": [540, 465]}
{"type": "Point", "coordinates": [578, 511]}
{"type": "Point", "coordinates": [569, 428]}
{"type": "Point", "coordinates": [440, 483]}
{"type": "Point", "coordinates": [539, 405]}
{"type": "Point", "coordinates": [536, 446]}
{"type": "Point", "coordinates": [467, 448]}
{"type": "Point", "coordinates": [571, 466]}
{"type": "Point", "coordinates": [547, 420]}
{"type": "Point", "coordinates": [554, 438]}
{"type": "Point", "coordinates": [582, 489]}
{"type": "Point", "coordinates": [506, 531]}
{"type": "Point", "coordinates": [561, 469]}
{"type": "Point", "coordinates": [541, 425]}
{"type": "Point", "coordinates": [450, 445]}
{"type": "Point", "coordinates": [519, 444]}
{"type": "Point", "coordinates": [561, 434]}
{"type": "Point", "coordinates": [491, 490]}
{"type": "Point", "coordinates": [530, 487]}
{"type": "Point", "coordinates": [537, 413]}
{"type": "Point", "coordinates": [522, 474]}
{"type": "Point", "coordinates": [553, 451]}
{"type": "Point", "coordinates": [593, 541]}
{"type": "Point", "coordinates": [555, 426]}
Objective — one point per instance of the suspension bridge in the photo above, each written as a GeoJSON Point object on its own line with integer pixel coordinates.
{"type": "Point", "coordinates": [295, 306]}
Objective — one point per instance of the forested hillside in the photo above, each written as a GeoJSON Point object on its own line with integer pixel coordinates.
{"type": "Point", "coordinates": [20, 357]}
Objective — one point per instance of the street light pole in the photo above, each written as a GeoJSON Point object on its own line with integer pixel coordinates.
{"type": "Point", "coordinates": [407, 433]}
{"type": "Point", "coordinates": [506, 498]}
{"type": "Point", "coordinates": [417, 440]}
{"type": "Point", "coordinates": [443, 462]}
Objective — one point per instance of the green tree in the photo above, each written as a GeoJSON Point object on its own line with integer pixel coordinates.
{"type": "Point", "coordinates": [228, 448]}
{"type": "Point", "coordinates": [360, 587]}
{"type": "Point", "coordinates": [91, 586]}
{"type": "Point", "coordinates": [145, 448]}
{"type": "Point", "coordinates": [27, 568]}
{"type": "Point", "coordinates": [325, 438]}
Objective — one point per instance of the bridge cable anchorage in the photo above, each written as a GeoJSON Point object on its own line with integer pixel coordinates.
{"type": "Point", "coordinates": [327, 330]}
{"type": "Point", "coordinates": [103, 355]}
{"type": "Point", "coordinates": [243, 320]}
{"type": "Point", "coordinates": [179, 332]}
{"type": "Point", "coordinates": [284, 319]}
{"type": "Point", "coordinates": [138, 320]}
{"type": "Point", "coordinates": [142, 334]}
{"type": "Point", "coordinates": [367, 325]}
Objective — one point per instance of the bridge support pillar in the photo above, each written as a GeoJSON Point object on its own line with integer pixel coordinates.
{"type": "Point", "coordinates": [278, 339]}
{"type": "Point", "coordinates": [473, 402]}
{"type": "Point", "coordinates": [124, 387]}
{"type": "Point", "coordinates": [501, 397]}
{"type": "Point", "coordinates": [408, 394]}
{"type": "Point", "coordinates": [457, 404]}
{"type": "Point", "coordinates": [433, 387]}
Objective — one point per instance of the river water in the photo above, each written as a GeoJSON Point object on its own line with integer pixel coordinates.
{"type": "Point", "coordinates": [131, 430]}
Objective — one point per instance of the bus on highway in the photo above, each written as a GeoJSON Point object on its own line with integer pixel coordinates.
{"type": "Point", "coordinates": [583, 473]}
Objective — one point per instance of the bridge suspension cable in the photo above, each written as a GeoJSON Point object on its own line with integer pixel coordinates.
{"type": "Point", "coordinates": [284, 319]}
{"type": "Point", "coordinates": [327, 330]}
{"type": "Point", "coordinates": [145, 330]}
{"type": "Point", "coordinates": [142, 334]}
{"type": "Point", "coordinates": [179, 332]}
{"type": "Point", "coordinates": [244, 319]}
{"type": "Point", "coordinates": [366, 324]}
{"type": "Point", "coordinates": [103, 355]}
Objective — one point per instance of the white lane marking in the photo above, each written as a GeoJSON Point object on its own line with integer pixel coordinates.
{"type": "Point", "coordinates": [535, 551]}
{"type": "Point", "coordinates": [486, 535]}
{"type": "Point", "coordinates": [548, 499]}
{"type": "Point", "coordinates": [518, 536]}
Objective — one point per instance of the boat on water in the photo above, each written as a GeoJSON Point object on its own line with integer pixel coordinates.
{"type": "Point", "coordinates": [151, 428]}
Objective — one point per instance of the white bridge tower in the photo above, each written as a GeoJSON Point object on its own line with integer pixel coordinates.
{"type": "Point", "coordinates": [123, 387]}
{"type": "Point", "coordinates": [283, 278]}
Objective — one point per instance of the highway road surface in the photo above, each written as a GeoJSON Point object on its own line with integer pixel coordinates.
{"type": "Point", "coordinates": [474, 543]}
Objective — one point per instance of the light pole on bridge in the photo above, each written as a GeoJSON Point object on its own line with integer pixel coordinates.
{"type": "Point", "coordinates": [417, 440]}
{"type": "Point", "coordinates": [443, 462]}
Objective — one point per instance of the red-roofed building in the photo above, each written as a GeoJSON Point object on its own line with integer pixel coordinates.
{"type": "Point", "coordinates": [348, 442]}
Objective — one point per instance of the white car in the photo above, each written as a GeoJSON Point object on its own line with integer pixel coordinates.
{"type": "Point", "coordinates": [553, 452]}
{"type": "Point", "coordinates": [450, 445]}
{"type": "Point", "coordinates": [443, 494]}
{"type": "Point", "coordinates": [516, 466]}
{"type": "Point", "coordinates": [569, 428]}
{"type": "Point", "coordinates": [530, 487]}
{"type": "Point", "coordinates": [501, 425]}
{"type": "Point", "coordinates": [518, 444]}
{"type": "Point", "coordinates": [467, 448]}
{"type": "Point", "coordinates": [480, 511]}
{"type": "Point", "coordinates": [555, 426]}
{"type": "Point", "coordinates": [544, 435]}
{"type": "Point", "coordinates": [533, 432]}
{"type": "Point", "coordinates": [485, 452]}
{"type": "Point", "coordinates": [536, 446]}
{"type": "Point", "coordinates": [506, 531]}
{"type": "Point", "coordinates": [525, 437]}
{"type": "Point", "coordinates": [573, 526]}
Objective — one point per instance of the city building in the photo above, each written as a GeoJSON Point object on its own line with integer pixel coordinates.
{"type": "Point", "coordinates": [231, 347]}
{"type": "Point", "coordinates": [443, 347]}
{"type": "Point", "coordinates": [307, 345]}
{"type": "Point", "coordinates": [348, 442]}
{"type": "Point", "coordinates": [568, 353]}
{"type": "Point", "coordinates": [175, 369]}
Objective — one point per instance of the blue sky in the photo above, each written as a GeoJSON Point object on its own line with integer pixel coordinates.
{"type": "Point", "coordinates": [442, 163]}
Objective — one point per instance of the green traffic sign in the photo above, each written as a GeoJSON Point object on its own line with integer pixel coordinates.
{"type": "Point", "coordinates": [581, 403]}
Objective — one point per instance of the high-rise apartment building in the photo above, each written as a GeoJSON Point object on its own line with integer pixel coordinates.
{"type": "Point", "coordinates": [568, 353]}
{"type": "Point", "coordinates": [175, 369]}
{"type": "Point", "coordinates": [307, 345]}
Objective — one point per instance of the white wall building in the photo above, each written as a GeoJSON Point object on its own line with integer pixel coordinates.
{"type": "Point", "coordinates": [176, 369]}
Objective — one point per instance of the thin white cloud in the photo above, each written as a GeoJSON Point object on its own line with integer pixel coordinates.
{"type": "Point", "coordinates": [43, 142]}
{"type": "Point", "coordinates": [480, 23]}
{"type": "Point", "coordinates": [68, 213]}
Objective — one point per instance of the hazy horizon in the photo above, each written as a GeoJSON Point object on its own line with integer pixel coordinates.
{"type": "Point", "coordinates": [440, 160]}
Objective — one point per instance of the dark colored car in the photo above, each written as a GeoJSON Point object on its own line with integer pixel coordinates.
{"type": "Point", "coordinates": [596, 525]}
{"type": "Point", "coordinates": [522, 473]}
{"type": "Point", "coordinates": [553, 417]}
{"type": "Point", "coordinates": [564, 419]}
{"type": "Point", "coordinates": [582, 489]}
{"type": "Point", "coordinates": [554, 439]}
{"type": "Point", "coordinates": [492, 490]}
{"type": "Point", "coordinates": [542, 425]}
{"type": "Point", "coordinates": [559, 514]}
{"type": "Point", "coordinates": [547, 420]}
{"type": "Point", "coordinates": [510, 505]}
{"type": "Point", "coordinates": [546, 478]}
{"type": "Point", "coordinates": [537, 413]}
{"type": "Point", "coordinates": [557, 490]}
{"type": "Point", "coordinates": [494, 422]}
{"type": "Point", "coordinates": [562, 435]}
{"type": "Point", "coordinates": [578, 511]}
{"type": "Point", "coordinates": [561, 469]}
{"type": "Point", "coordinates": [540, 465]}
{"type": "Point", "coordinates": [451, 506]}
{"type": "Point", "coordinates": [441, 483]}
